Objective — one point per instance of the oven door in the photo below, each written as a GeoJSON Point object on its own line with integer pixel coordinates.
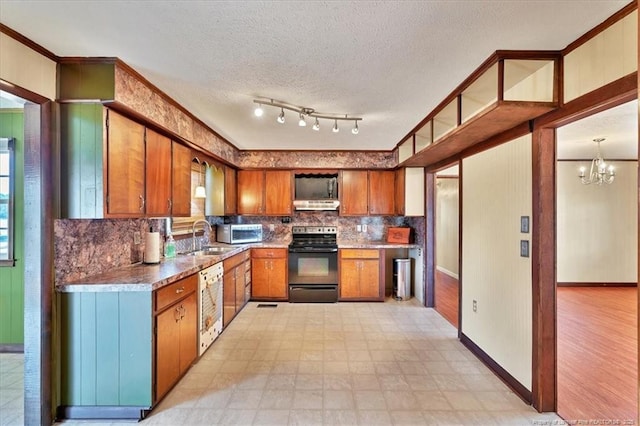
{"type": "Point", "coordinates": [313, 267]}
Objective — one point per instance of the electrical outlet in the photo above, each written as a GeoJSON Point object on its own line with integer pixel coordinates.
{"type": "Point", "coordinates": [137, 238]}
{"type": "Point", "coordinates": [358, 228]}
{"type": "Point", "coordinates": [364, 228]}
{"type": "Point", "coordinates": [475, 306]}
{"type": "Point", "coordinates": [272, 227]}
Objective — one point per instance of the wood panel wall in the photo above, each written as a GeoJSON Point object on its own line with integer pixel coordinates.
{"type": "Point", "coordinates": [12, 278]}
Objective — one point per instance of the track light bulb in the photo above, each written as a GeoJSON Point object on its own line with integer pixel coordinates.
{"type": "Point", "coordinates": [258, 111]}
{"type": "Point", "coordinates": [302, 123]}
{"type": "Point", "coordinates": [335, 127]}
{"type": "Point", "coordinates": [355, 129]}
{"type": "Point", "coordinates": [316, 125]}
{"type": "Point", "coordinates": [281, 116]}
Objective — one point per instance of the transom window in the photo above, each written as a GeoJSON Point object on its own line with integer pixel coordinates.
{"type": "Point", "coordinates": [7, 177]}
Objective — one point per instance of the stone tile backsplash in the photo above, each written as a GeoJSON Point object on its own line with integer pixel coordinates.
{"type": "Point", "coordinates": [89, 247]}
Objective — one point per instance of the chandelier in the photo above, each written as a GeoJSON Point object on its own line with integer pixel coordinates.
{"type": "Point", "coordinates": [303, 113]}
{"type": "Point", "coordinates": [599, 172]}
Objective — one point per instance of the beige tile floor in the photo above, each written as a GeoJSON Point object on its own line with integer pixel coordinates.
{"type": "Point", "coordinates": [347, 363]}
{"type": "Point", "coordinates": [11, 389]}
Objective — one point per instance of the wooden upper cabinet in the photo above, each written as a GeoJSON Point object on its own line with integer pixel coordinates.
{"type": "Point", "coordinates": [382, 192]}
{"type": "Point", "coordinates": [125, 172]}
{"type": "Point", "coordinates": [353, 193]}
{"type": "Point", "coordinates": [278, 198]}
{"type": "Point", "coordinates": [264, 192]}
{"type": "Point", "coordinates": [230, 191]}
{"type": "Point", "coordinates": [158, 174]}
{"type": "Point", "coordinates": [181, 180]}
{"type": "Point", "coordinates": [251, 192]}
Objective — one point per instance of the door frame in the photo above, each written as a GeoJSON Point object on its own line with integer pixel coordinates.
{"type": "Point", "coordinates": [543, 234]}
{"type": "Point", "coordinates": [39, 193]}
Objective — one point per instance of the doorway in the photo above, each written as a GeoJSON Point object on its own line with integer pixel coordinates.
{"type": "Point", "coordinates": [596, 255]}
{"type": "Point", "coordinates": [447, 247]}
{"type": "Point", "coordinates": [12, 256]}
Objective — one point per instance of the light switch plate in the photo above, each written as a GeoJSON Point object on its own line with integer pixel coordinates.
{"type": "Point", "coordinates": [524, 248]}
{"type": "Point", "coordinates": [524, 224]}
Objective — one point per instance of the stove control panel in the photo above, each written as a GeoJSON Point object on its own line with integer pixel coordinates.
{"type": "Point", "coordinates": [314, 230]}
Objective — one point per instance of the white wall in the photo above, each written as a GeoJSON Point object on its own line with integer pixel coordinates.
{"type": "Point", "coordinates": [26, 68]}
{"type": "Point", "coordinates": [447, 230]}
{"type": "Point", "coordinates": [496, 192]}
{"type": "Point", "coordinates": [597, 235]}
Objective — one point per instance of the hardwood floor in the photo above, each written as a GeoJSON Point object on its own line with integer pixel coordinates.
{"type": "Point", "coordinates": [446, 297]}
{"type": "Point", "coordinates": [597, 354]}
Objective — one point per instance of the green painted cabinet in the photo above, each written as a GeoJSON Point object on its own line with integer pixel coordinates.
{"type": "Point", "coordinates": [106, 354]}
{"type": "Point", "coordinates": [121, 352]}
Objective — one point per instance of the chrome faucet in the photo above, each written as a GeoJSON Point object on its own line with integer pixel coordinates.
{"type": "Point", "coordinates": [193, 231]}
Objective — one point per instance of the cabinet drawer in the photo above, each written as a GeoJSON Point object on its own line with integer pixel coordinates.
{"type": "Point", "coordinates": [359, 254]}
{"type": "Point", "coordinates": [234, 261]}
{"type": "Point", "coordinates": [173, 292]}
{"type": "Point", "coordinates": [269, 253]}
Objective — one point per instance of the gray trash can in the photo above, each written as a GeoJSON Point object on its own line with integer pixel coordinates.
{"type": "Point", "coordinates": [402, 279]}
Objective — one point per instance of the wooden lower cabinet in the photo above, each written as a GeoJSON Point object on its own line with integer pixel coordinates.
{"type": "Point", "coordinates": [176, 332]}
{"type": "Point", "coordinates": [269, 274]}
{"type": "Point", "coordinates": [361, 273]}
{"type": "Point", "coordinates": [234, 285]}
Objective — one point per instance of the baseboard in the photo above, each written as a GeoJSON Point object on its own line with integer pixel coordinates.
{"type": "Point", "coordinates": [101, 412]}
{"type": "Point", "coordinates": [597, 284]}
{"type": "Point", "coordinates": [508, 379]}
{"type": "Point", "coordinates": [447, 272]}
{"type": "Point", "coordinates": [13, 348]}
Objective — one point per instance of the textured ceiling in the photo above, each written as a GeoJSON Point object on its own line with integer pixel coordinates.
{"type": "Point", "coordinates": [389, 62]}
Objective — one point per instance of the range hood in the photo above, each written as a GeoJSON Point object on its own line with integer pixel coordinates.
{"type": "Point", "coordinates": [316, 204]}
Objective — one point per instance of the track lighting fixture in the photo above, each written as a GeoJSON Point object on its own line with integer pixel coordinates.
{"type": "Point", "coordinates": [305, 112]}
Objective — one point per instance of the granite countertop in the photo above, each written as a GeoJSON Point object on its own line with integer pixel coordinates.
{"type": "Point", "coordinates": [149, 277]}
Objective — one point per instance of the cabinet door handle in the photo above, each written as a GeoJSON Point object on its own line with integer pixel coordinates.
{"type": "Point", "coordinates": [169, 205]}
{"type": "Point", "coordinates": [179, 290]}
{"type": "Point", "coordinates": [176, 314]}
{"type": "Point", "coordinates": [141, 203]}
{"type": "Point", "coordinates": [183, 311]}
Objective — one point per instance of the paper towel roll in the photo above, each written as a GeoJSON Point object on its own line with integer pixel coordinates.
{"type": "Point", "coordinates": [152, 247]}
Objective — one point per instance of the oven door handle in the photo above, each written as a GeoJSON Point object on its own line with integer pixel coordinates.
{"type": "Point", "coordinates": [312, 250]}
